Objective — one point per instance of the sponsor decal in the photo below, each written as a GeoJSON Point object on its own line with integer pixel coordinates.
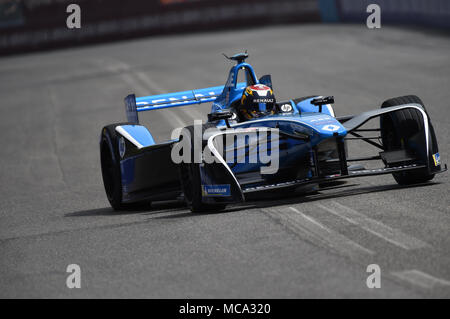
{"type": "Point", "coordinates": [322, 121]}
{"type": "Point", "coordinates": [319, 119]}
{"type": "Point", "coordinates": [263, 100]}
{"type": "Point", "coordinates": [330, 128]}
{"type": "Point", "coordinates": [437, 159]}
{"type": "Point", "coordinates": [216, 190]}
{"type": "Point", "coordinates": [286, 108]}
{"type": "Point", "coordinates": [183, 99]}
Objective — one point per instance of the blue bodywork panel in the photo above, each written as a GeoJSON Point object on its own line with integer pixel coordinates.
{"type": "Point", "coordinates": [317, 126]}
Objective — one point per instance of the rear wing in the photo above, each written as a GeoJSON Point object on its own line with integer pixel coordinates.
{"type": "Point", "coordinates": [134, 104]}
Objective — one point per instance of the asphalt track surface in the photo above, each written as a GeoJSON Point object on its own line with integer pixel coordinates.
{"type": "Point", "coordinates": [54, 211]}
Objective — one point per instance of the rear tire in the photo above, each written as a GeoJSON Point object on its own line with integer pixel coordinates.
{"type": "Point", "coordinates": [191, 180]}
{"type": "Point", "coordinates": [397, 128]}
{"type": "Point", "coordinates": [110, 164]}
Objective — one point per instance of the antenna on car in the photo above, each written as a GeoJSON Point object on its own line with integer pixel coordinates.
{"type": "Point", "coordinates": [239, 57]}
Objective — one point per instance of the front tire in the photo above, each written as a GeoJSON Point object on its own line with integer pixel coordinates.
{"type": "Point", "coordinates": [398, 128]}
{"type": "Point", "coordinates": [110, 164]}
{"type": "Point", "coordinates": [190, 176]}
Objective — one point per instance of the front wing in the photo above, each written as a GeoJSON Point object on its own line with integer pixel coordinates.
{"type": "Point", "coordinates": [238, 192]}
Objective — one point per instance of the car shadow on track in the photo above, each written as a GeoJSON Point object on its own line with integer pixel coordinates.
{"type": "Point", "coordinates": [298, 199]}
{"type": "Point", "coordinates": [169, 209]}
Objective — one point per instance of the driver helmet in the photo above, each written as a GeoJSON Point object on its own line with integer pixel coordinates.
{"type": "Point", "coordinates": [256, 101]}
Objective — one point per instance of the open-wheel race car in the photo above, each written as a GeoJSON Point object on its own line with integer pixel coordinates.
{"type": "Point", "coordinates": [253, 144]}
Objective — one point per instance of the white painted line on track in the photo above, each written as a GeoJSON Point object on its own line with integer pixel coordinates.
{"type": "Point", "coordinates": [144, 78]}
{"type": "Point", "coordinates": [421, 279]}
{"type": "Point", "coordinates": [394, 236]}
{"type": "Point", "coordinates": [317, 233]}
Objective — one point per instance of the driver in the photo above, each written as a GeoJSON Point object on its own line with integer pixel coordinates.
{"type": "Point", "coordinates": [257, 100]}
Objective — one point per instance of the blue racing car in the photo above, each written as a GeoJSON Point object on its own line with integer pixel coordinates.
{"type": "Point", "coordinates": [253, 144]}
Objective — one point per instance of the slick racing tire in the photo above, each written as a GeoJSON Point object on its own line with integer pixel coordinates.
{"type": "Point", "coordinates": [397, 128]}
{"type": "Point", "coordinates": [190, 177]}
{"type": "Point", "coordinates": [110, 163]}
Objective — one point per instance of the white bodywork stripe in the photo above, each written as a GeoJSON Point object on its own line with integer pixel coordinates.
{"type": "Point", "coordinates": [330, 109]}
{"type": "Point", "coordinates": [130, 138]}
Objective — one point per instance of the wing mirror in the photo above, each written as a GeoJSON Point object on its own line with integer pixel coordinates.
{"type": "Point", "coordinates": [322, 101]}
{"type": "Point", "coordinates": [224, 115]}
